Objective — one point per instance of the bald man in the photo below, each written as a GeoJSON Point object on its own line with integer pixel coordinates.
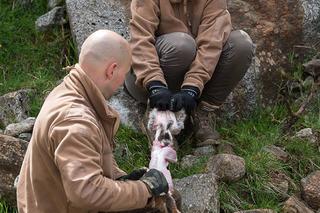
{"type": "Point", "coordinates": [69, 165]}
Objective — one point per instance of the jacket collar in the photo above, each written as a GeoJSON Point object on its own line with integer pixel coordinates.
{"type": "Point", "coordinates": [90, 92]}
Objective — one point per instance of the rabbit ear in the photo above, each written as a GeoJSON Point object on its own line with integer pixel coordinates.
{"type": "Point", "coordinates": [152, 119]}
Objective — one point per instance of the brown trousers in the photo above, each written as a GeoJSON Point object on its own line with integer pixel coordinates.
{"type": "Point", "coordinates": [177, 50]}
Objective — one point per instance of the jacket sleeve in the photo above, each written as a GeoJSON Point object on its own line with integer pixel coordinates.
{"type": "Point", "coordinates": [117, 171]}
{"type": "Point", "coordinates": [213, 31]}
{"type": "Point", "coordinates": [78, 159]}
{"type": "Point", "coordinates": [143, 25]}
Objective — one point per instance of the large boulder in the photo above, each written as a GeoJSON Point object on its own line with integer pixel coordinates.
{"type": "Point", "coordinates": [14, 107]}
{"type": "Point", "coordinates": [199, 193]}
{"type": "Point", "coordinates": [12, 152]}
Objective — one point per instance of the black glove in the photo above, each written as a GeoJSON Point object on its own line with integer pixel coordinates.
{"type": "Point", "coordinates": [134, 175]}
{"type": "Point", "coordinates": [159, 95]}
{"type": "Point", "coordinates": [155, 181]}
{"type": "Point", "coordinates": [186, 98]}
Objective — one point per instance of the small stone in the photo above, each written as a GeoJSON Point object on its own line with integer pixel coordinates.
{"type": "Point", "coordinates": [204, 150]}
{"type": "Point", "coordinates": [25, 136]}
{"type": "Point", "coordinates": [277, 152]}
{"type": "Point", "coordinates": [189, 161]}
{"type": "Point", "coordinates": [294, 205]}
{"type": "Point", "coordinates": [226, 167]}
{"type": "Point", "coordinates": [306, 134]}
{"type": "Point", "coordinates": [25, 126]}
{"type": "Point", "coordinates": [52, 18]}
{"type": "Point", "coordinates": [279, 182]}
{"type": "Point", "coordinates": [311, 189]}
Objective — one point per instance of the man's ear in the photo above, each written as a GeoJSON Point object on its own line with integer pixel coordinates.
{"type": "Point", "coordinates": [109, 72]}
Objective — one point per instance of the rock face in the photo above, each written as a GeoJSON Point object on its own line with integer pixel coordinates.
{"type": "Point", "coordinates": [227, 167]}
{"type": "Point", "coordinates": [87, 16]}
{"type": "Point", "coordinates": [199, 193]}
{"type": "Point", "coordinates": [275, 26]}
{"type": "Point", "coordinates": [14, 107]}
{"type": "Point", "coordinates": [311, 189]}
{"type": "Point", "coordinates": [12, 152]}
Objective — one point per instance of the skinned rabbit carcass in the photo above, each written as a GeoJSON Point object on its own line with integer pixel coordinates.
{"type": "Point", "coordinates": [164, 125]}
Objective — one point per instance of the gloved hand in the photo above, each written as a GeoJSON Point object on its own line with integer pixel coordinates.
{"type": "Point", "coordinates": [155, 181]}
{"type": "Point", "coordinates": [186, 98]}
{"type": "Point", "coordinates": [134, 175]}
{"type": "Point", "coordinates": [159, 95]}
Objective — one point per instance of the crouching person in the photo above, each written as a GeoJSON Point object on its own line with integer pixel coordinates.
{"type": "Point", "coordinates": [69, 165]}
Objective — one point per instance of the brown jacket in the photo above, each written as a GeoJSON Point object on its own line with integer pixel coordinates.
{"type": "Point", "coordinates": [69, 165]}
{"type": "Point", "coordinates": [208, 21]}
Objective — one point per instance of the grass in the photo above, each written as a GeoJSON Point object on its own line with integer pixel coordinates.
{"type": "Point", "coordinates": [29, 59]}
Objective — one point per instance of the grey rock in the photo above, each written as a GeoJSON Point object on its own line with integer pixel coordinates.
{"type": "Point", "coordinates": [1, 131]}
{"type": "Point", "coordinates": [277, 152]}
{"type": "Point", "coordinates": [52, 18]}
{"type": "Point", "coordinates": [14, 107]}
{"type": "Point", "coordinates": [24, 126]}
{"type": "Point", "coordinates": [204, 151]}
{"type": "Point", "coordinates": [54, 3]}
{"type": "Point", "coordinates": [25, 136]}
{"type": "Point", "coordinates": [87, 16]}
{"type": "Point", "coordinates": [12, 152]}
{"type": "Point", "coordinates": [294, 205]}
{"type": "Point", "coordinates": [199, 193]}
{"type": "Point", "coordinates": [189, 161]}
{"type": "Point", "coordinates": [130, 111]}
{"type": "Point", "coordinates": [306, 134]}
{"type": "Point", "coordinates": [311, 189]}
{"type": "Point", "coordinates": [257, 211]}
{"type": "Point", "coordinates": [226, 167]}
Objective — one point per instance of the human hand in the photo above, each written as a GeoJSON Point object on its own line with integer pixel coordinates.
{"type": "Point", "coordinates": [155, 181]}
{"type": "Point", "coordinates": [186, 98]}
{"type": "Point", "coordinates": [159, 96]}
{"type": "Point", "coordinates": [134, 175]}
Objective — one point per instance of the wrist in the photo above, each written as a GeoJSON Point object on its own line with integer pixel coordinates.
{"type": "Point", "coordinates": [191, 90]}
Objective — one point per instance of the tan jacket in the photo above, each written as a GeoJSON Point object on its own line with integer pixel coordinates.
{"type": "Point", "coordinates": [69, 164]}
{"type": "Point", "coordinates": [208, 21]}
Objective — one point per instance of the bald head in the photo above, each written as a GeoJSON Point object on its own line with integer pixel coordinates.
{"type": "Point", "coordinates": [103, 46]}
{"type": "Point", "coordinates": [106, 57]}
